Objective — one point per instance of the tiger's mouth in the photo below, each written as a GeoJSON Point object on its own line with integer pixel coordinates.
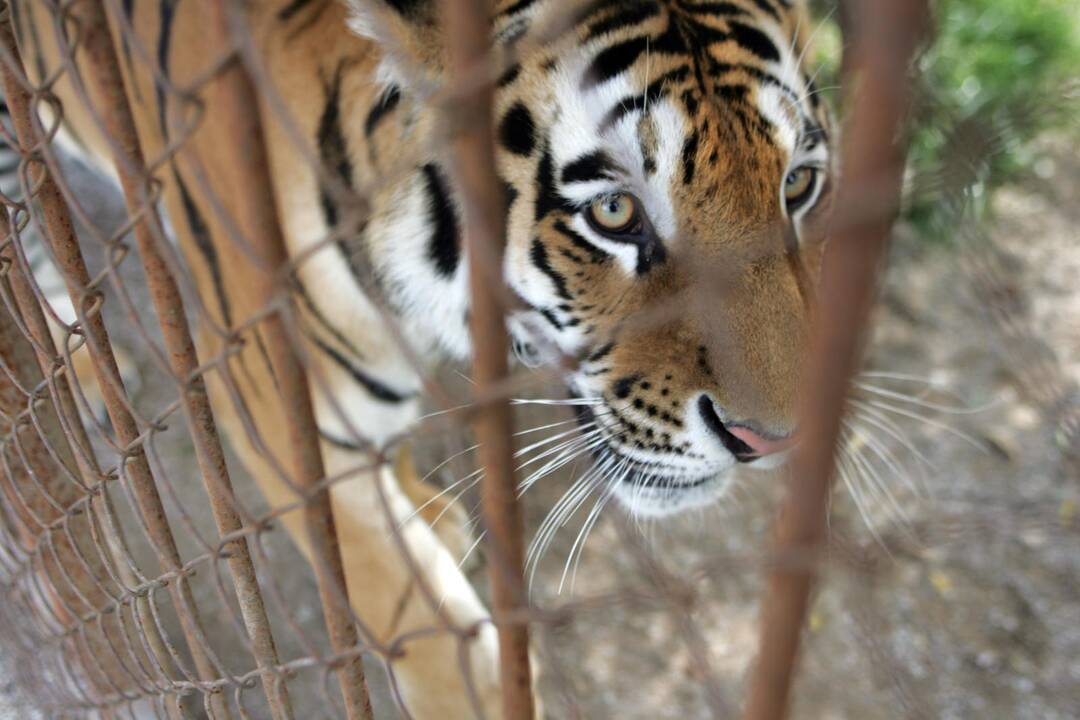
{"type": "Point", "coordinates": [653, 487]}
{"type": "Point", "coordinates": [642, 478]}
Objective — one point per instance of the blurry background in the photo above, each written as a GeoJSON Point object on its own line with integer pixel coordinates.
{"type": "Point", "coordinates": [955, 523]}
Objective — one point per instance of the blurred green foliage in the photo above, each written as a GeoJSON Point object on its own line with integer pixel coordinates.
{"type": "Point", "coordinates": [996, 75]}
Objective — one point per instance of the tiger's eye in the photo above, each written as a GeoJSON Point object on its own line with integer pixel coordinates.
{"type": "Point", "coordinates": [798, 186]}
{"type": "Point", "coordinates": [614, 213]}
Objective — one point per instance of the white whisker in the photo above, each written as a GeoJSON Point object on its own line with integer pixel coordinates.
{"type": "Point", "coordinates": [883, 422]}
{"type": "Point", "coordinates": [878, 487]}
{"type": "Point", "coordinates": [579, 542]}
{"type": "Point", "coordinates": [468, 553]}
{"type": "Point", "coordinates": [890, 461]}
{"type": "Point", "coordinates": [573, 450]}
{"type": "Point", "coordinates": [903, 397]}
{"type": "Point", "coordinates": [843, 467]}
{"type": "Point", "coordinates": [887, 407]}
{"type": "Point", "coordinates": [559, 402]}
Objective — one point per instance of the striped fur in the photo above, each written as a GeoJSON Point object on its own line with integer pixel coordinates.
{"type": "Point", "coordinates": [698, 109]}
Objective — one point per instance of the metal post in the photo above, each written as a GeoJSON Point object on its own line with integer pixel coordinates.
{"type": "Point", "coordinates": [467, 33]}
{"type": "Point", "coordinates": [867, 202]}
{"type": "Point", "coordinates": [233, 97]}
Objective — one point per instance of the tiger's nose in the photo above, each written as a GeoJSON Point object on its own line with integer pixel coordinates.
{"type": "Point", "coordinates": [742, 442]}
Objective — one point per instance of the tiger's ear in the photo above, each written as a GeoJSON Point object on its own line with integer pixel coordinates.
{"type": "Point", "coordinates": [407, 33]}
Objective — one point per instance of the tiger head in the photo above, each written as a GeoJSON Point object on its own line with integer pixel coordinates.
{"type": "Point", "coordinates": [667, 167]}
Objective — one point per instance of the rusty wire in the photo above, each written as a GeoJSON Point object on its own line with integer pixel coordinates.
{"type": "Point", "coordinates": [99, 553]}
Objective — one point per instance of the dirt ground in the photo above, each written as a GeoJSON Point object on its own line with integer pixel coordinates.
{"type": "Point", "coordinates": [957, 599]}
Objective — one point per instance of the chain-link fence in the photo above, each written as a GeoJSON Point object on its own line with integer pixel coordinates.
{"type": "Point", "coordinates": [144, 570]}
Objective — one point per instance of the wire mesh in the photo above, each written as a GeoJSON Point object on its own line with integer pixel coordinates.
{"type": "Point", "coordinates": [142, 564]}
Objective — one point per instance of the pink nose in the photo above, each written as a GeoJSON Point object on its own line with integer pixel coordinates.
{"type": "Point", "coordinates": [759, 444]}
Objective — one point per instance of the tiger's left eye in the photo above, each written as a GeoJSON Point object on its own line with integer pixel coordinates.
{"type": "Point", "coordinates": [614, 215]}
{"type": "Point", "coordinates": [799, 187]}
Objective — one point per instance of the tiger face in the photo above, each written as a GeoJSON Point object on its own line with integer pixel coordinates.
{"type": "Point", "coordinates": [668, 168]}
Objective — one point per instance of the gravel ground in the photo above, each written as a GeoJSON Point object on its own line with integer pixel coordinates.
{"type": "Point", "coordinates": [955, 601]}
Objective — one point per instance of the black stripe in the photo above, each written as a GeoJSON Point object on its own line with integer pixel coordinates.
{"type": "Point", "coordinates": [333, 150]}
{"type": "Point", "coordinates": [754, 41]}
{"type": "Point", "coordinates": [128, 8]}
{"type": "Point", "coordinates": [623, 18]}
{"type": "Point", "coordinates": [596, 254]}
{"type": "Point", "coordinates": [167, 9]}
{"type": "Point", "coordinates": [343, 443]}
{"type": "Point", "coordinates": [539, 256]}
{"type": "Point", "coordinates": [732, 93]}
{"type": "Point", "coordinates": [287, 13]}
{"type": "Point", "coordinates": [444, 248]}
{"type": "Point", "coordinates": [510, 195]}
{"type": "Point", "coordinates": [700, 34]}
{"type": "Point", "coordinates": [382, 107]}
{"type": "Point", "coordinates": [718, 69]}
{"type": "Point", "coordinates": [550, 317]}
{"type": "Point", "coordinates": [409, 8]}
{"type": "Point", "coordinates": [516, 8]}
{"type": "Point", "coordinates": [375, 388]}
{"type": "Point", "coordinates": [767, 7]}
{"type": "Point", "coordinates": [717, 9]}
{"type": "Point", "coordinates": [689, 157]}
{"type": "Point", "coordinates": [510, 75]}
{"type": "Point", "coordinates": [517, 131]}
{"type": "Point", "coordinates": [596, 165]}
{"type": "Point", "coordinates": [614, 60]}
{"type": "Point", "coordinates": [812, 93]}
{"type": "Point", "coordinates": [572, 256]}
{"type": "Point", "coordinates": [637, 103]}
{"type": "Point", "coordinates": [595, 8]}
{"type": "Point", "coordinates": [548, 199]}
{"type": "Point", "coordinates": [324, 322]}
{"type": "Point", "coordinates": [265, 356]}
{"type": "Point", "coordinates": [601, 352]}
{"type": "Point", "coordinates": [813, 135]}
{"type": "Point", "coordinates": [200, 233]}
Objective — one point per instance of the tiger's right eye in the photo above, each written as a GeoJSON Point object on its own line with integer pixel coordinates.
{"type": "Point", "coordinates": [616, 214]}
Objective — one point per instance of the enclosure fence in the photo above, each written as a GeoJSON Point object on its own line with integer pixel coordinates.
{"type": "Point", "coordinates": [107, 566]}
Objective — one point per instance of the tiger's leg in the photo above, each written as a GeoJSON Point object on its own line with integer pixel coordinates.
{"type": "Point", "coordinates": [401, 580]}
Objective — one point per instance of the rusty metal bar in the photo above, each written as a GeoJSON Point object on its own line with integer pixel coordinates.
{"type": "Point", "coordinates": [59, 234]}
{"type": "Point", "coordinates": [876, 62]}
{"type": "Point", "coordinates": [233, 97]}
{"type": "Point", "coordinates": [467, 32]}
{"type": "Point", "coordinates": [107, 81]}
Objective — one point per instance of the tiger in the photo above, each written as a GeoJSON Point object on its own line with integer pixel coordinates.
{"type": "Point", "coordinates": [667, 169]}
